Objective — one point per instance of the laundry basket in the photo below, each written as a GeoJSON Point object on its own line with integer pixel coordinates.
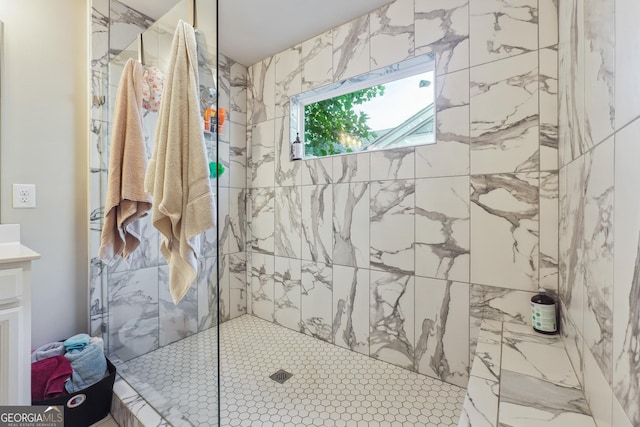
{"type": "Point", "coordinates": [87, 406]}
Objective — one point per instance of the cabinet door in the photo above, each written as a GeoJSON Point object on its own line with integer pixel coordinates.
{"type": "Point", "coordinates": [11, 367]}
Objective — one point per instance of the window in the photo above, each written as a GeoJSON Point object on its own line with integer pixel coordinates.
{"type": "Point", "coordinates": [388, 108]}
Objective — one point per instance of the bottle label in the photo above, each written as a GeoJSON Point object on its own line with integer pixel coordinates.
{"type": "Point", "coordinates": [543, 317]}
{"type": "Point", "coordinates": [296, 151]}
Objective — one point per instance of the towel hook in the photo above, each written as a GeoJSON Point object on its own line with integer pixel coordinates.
{"type": "Point", "coordinates": [194, 14]}
{"type": "Point", "coordinates": [140, 49]}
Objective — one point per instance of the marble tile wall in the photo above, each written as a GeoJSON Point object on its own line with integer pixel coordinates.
{"type": "Point", "coordinates": [130, 305]}
{"type": "Point", "coordinates": [599, 227]}
{"type": "Point", "coordinates": [400, 254]}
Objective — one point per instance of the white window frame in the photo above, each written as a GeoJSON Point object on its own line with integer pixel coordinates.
{"type": "Point", "coordinates": [410, 67]}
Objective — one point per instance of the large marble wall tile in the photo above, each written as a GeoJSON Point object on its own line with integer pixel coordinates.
{"type": "Point", "coordinates": [317, 226]}
{"type": "Point", "coordinates": [392, 237]}
{"type": "Point", "coordinates": [237, 155]}
{"type": "Point", "coordinates": [261, 91]}
{"type": "Point", "coordinates": [238, 94]}
{"type": "Point", "coordinates": [99, 146]}
{"type": "Point", "coordinates": [351, 308]}
{"type": "Point", "coordinates": [552, 405]}
{"type": "Point", "coordinates": [207, 283]}
{"type": "Point", "coordinates": [392, 33]}
{"type": "Point", "coordinates": [573, 342]}
{"type": "Point", "coordinates": [507, 305]}
{"type": "Point", "coordinates": [98, 302]}
{"type": "Point", "coordinates": [317, 171]}
{"type": "Point", "coordinates": [571, 81]}
{"type": "Point", "coordinates": [442, 228]}
{"type": "Point", "coordinates": [597, 253]}
{"type": "Point", "coordinates": [548, 23]}
{"type": "Point", "coordinates": [133, 313]}
{"type": "Point", "coordinates": [223, 230]}
{"type": "Point", "coordinates": [626, 291]}
{"type": "Point", "coordinates": [351, 49]}
{"type": "Point", "coordinates": [316, 300]}
{"type": "Point", "coordinates": [597, 392]}
{"type": "Point", "coordinates": [548, 93]}
{"type": "Point", "coordinates": [548, 259]}
{"type": "Point", "coordinates": [237, 284]}
{"type": "Point", "coordinates": [627, 61]}
{"type": "Point", "coordinates": [504, 116]}
{"type": "Point", "coordinates": [563, 244]}
{"type": "Point", "coordinates": [599, 62]}
{"type": "Point", "coordinates": [237, 220]}
{"type": "Point", "coordinates": [442, 329]}
{"type": "Point", "coordinates": [571, 241]}
{"type": "Point", "coordinates": [224, 280]}
{"type": "Point", "coordinates": [176, 321]}
{"type": "Point", "coordinates": [288, 222]}
{"type": "Point", "coordinates": [97, 180]}
{"type": "Point", "coordinates": [220, 152]}
{"type": "Point", "coordinates": [288, 172]}
{"type": "Point", "coordinates": [504, 230]}
{"type": "Point", "coordinates": [351, 168]}
{"type": "Point", "coordinates": [619, 417]}
{"type": "Point", "coordinates": [261, 226]}
{"type": "Point", "coordinates": [261, 278]}
{"type": "Point", "coordinates": [219, 79]}
{"type": "Point", "coordinates": [99, 32]}
{"type": "Point", "coordinates": [262, 156]}
{"type": "Point", "coordinates": [450, 155]}
{"type": "Point", "coordinates": [250, 170]}
{"type": "Point", "coordinates": [317, 61]}
{"type": "Point", "coordinates": [99, 92]}
{"type": "Point", "coordinates": [125, 25]}
{"type": "Point", "coordinates": [288, 284]}
{"type": "Point", "coordinates": [393, 164]}
{"type": "Point", "coordinates": [442, 27]}
{"type": "Point", "coordinates": [500, 29]}
{"type": "Point", "coordinates": [391, 318]}
{"type": "Point", "coordinates": [288, 78]}
{"type": "Point", "coordinates": [351, 224]}
{"type": "Point", "coordinates": [249, 258]}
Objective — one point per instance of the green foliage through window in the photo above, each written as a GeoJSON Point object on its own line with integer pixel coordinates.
{"type": "Point", "coordinates": [333, 127]}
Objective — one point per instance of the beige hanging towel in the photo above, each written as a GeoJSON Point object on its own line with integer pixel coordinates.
{"type": "Point", "coordinates": [178, 173]}
{"type": "Point", "coordinates": [126, 200]}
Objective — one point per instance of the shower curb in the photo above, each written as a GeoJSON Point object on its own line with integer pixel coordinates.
{"type": "Point", "coordinates": [129, 409]}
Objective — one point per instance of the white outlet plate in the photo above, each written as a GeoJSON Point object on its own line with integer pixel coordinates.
{"type": "Point", "coordinates": [24, 196]}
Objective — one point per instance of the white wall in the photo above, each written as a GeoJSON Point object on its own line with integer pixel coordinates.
{"type": "Point", "coordinates": [44, 142]}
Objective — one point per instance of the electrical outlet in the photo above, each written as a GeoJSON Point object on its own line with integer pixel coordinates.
{"type": "Point", "coordinates": [24, 196]}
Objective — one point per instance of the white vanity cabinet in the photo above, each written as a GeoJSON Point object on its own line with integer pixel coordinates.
{"type": "Point", "coordinates": [15, 317]}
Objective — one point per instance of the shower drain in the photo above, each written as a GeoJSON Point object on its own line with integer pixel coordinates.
{"type": "Point", "coordinates": [281, 376]}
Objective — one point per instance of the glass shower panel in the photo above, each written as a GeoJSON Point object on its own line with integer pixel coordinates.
{"type": "Point", "coordinates": [148, 336]}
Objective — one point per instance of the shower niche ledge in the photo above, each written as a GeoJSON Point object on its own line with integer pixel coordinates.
{"type": "Point", "coordinates": [522, 378]}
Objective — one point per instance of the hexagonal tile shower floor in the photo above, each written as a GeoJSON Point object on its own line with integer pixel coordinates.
{"type": "Point", "coordinates": [330, 386]}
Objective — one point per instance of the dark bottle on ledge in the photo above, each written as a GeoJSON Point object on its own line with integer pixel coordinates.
{"type": "Point", "coordinates": [543, 313]}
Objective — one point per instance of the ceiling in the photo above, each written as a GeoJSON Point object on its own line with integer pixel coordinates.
{"type": "Point", "coordinates": [251, 30]}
